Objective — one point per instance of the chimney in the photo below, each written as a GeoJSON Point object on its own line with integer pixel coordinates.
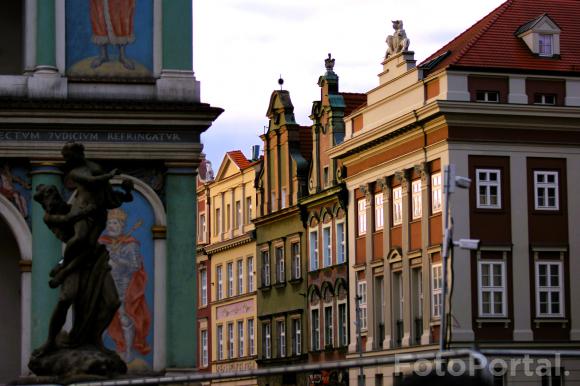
{"type": "Point", "coordinates": [255, 152]}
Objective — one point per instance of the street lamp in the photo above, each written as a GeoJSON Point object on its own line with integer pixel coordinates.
{"type": "Point", "coordinates": [450, 182]}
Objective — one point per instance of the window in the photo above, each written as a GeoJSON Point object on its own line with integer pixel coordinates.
{"type": "Point", "coordinates": [251, 274]}
{"type": "Point", "coordinates": [436, 198]}
{"type": "Point", "coordinates": [549, 289]}
{"type": "Point", "coordinates": [273, 201]}
{"type": "Point", "coordinates": [248, 209]}
{"type": "Point", "coordinates": [488, 188]}
{"type": "Point", "coordinates": [313, 236]}
{"type": "Point", "coordinates": [297, 337]}
{"type": "Point", "coordinates": [283, 199]}
{"type": "Point", "coordinates": [436, 290]}
{"type": "Point", "coordinates": [326, 246]}
{"type": "Point", "coordinates": [379, 221]}
{"type": "Point", "coordinates": [220, 342]}
{"type": "Point", "coordinates": [267, 340]}
{"type": "Point", "coordinates": [238, 218]}
{"type": "Point", "coordinates": [204, 349]}
{"type": "Point", "coordinates": [315, 333]}
{"type": "Point", "coordinates": [218, 222]}
{"type": "Point", "coordinates": [325, 176]}
{"type": "Point", "coordinates": [281, 329]}
{"type": "Point", "coordinates": [203, 280]}
{"type": "Point", "coordinates": [492, 296]}
{"type": "Point", "coordinates": [202, 228]}
{"type": "Point", "coordinates": [251, 345]}
{"type": "Point", "coordinates": [397, 205]}
{"type": "Point", "coordinates": [295, 250]}
{"type": "Point", "coordinates": [231, 352]}
{"type": "Point", "coordinates": [240, 339]}
{"type": "Point", "coordinates": [544, 99]}
{"type": "Point", "coordinates": [240, 277]}
{"type": "Point", "coordinates": [546, 190]}
{"type": "Point", "coordinates": [416, 199]}
{"type": "Point", "coordinates": [487, 96]}
{"type": "Point", "coordinates": [362, 299]}
{"type": "Point", "coordinates": [362, 216]}
{"type": "Point", "coordinates": [230, 269]}
{"type": "Point", "coordinates": [328, 334]}
{"type": "Point", "coordinates": [280, 272]}
{"type": "Point", "coordinates": [228, 217]}
{"type": "Point", "coordinates": [545, 42]}
{"type": "Point", "coordinates": [342, 323]}
{"type": "Point", "coordinates": [340, 243]}
{"type": "Point", "coordinates": [265, 268]}
{"type": "Point", "coordinates": [220, 285]}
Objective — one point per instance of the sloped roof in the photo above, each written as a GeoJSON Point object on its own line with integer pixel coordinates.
{"type": "Point", "coordinates": [239, 159]}
{"type": "Point", "coordinates": [353, 101]}
{"type": "Point", "coordinates": [492, 41]}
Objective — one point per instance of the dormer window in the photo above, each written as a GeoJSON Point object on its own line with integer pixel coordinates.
{"type": "Point", "coordinates": [487, 96]}
{"type": "Point", "coordinates": [545, 45]}
{"type": "Point", "coordinates": [544, 99]}
{"type": "Point", "coordinates": [541, 35]}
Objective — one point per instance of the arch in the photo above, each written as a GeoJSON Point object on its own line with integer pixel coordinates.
{"type": "Point", "coordinates": [337, 208]}
{"type": "Point", "coordinates": [149, 194]}
{"type": "Point", "coordinates": [325, 288]}
{"type": "Point", "coordinates": [313, 291]}
{"type": "Point", "coordinates": [313, 219]}
{"type": "Point", "coordinates": [324, 214]}
{"type": "Point", "coordinates": [339, 283]}
{"type": "Point", "coordinates": [394, 255]}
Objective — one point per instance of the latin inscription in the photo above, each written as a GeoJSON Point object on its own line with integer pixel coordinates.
{"type": "Point", "coordinates": [96, 136]}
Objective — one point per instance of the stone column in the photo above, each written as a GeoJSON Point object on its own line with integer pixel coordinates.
{"type": "Point", "coordinates": [385, 184]}
{"type": "Point", "coordinates": [46, 252]}
{"type": "Point", "coordinates": [406, 272]}
{"type": "Point", "coordinates": [425, 261]}
{"type": "Point", "coordinates": [232, 211]}
{"type": "Point", "coordinates": [181, 344]}
{"type": "Point", "coordinates": [351, 252]}
{"type": "Point", "coordinates": [371, 326]}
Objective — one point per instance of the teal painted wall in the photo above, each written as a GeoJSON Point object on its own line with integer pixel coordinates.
{"type": "Point", "coordinates": [177, 35]}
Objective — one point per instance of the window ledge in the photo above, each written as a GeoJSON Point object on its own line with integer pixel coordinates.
{"type": "Point", "coordinates": [296, 280]}
{"type": "Point", "coordinates": [548, 320]}
{"type": "Point", "coordinates": [266, 288]}
{"type": "Point", "coordinates": [491, 320]}
{"type": "Point", "coordinates": [280, 284]}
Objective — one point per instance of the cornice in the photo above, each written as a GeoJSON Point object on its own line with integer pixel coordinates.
{"type": "Point", "coordinates": [246, 238]}
{"type": "Point", "coordinates": [276, 216]}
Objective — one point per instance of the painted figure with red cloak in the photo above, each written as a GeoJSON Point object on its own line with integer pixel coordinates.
{"type": "Point", "coordinates": [130, 326]}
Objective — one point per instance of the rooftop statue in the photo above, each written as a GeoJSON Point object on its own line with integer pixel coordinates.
{"type": "Point", "coordinates": [397, 42]}
{"type": "Point", "coordinates": [83, 275]}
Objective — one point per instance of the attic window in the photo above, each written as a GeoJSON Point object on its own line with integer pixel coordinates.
{"type": "Point", "coordinates": [545, 43]}
{"type": "Point", "coordinates": [541, 35]}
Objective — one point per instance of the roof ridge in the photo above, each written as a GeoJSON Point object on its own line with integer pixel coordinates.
{"type": "Point", "coordinates": [499, 11]}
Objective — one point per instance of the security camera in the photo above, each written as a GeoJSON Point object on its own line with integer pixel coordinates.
{"type": "Point", "coordinates": [471, 244]}
{"type": "Point", "coordinates": [463, 182]}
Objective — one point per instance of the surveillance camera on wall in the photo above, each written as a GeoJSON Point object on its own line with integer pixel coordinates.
{"type": "Point", "coordinates": [463, 182]}
{"type": "Point", "coordinates": [471, 244]}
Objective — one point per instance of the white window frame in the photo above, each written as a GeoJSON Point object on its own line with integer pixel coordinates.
{"type": "Point", "coordinates": [416, 200]}
{"type": "Point", "coordinates": [488, 184]}
{"type": "Point", "coordinates": [265, 256]}
{"type": "Point", "coordinates": [342, 324]}
{"type": "Point", "coordinates": [545, 99]}
{"type": "Point", "coordinates": [313, 249]}
{"type": "Point", "coordinates": [340, 242]}
{"type": "Point", "coordinates": [487, 96]}
{"type": "Point", "coordinates": [220, 342]}
{"type": "Point", "coordinates": [204, 349]}
{"type": "Point", "coordinates": [230, 273]}
{"type": "Point", "coordinates": [267, 340]}
{"type": "Point", "coordinates": [297, 331]}
{"type": "Point", "coordinates": [296, 260]}
{"type": "Point", "coordinates": [362, 216]}
{"type": "Point", "coordinates": [544, 187]}
{"type": "Point", "coordinates": [220, 282]}
{"type": "Point", "coordinates": [240, 268]}
{"type": "Point", "coordinates": [315, 329]}
{"type": "Point", "coordinates": [327, 245]}
{"type": "Point", "coordinates": [542, 46]}
{"type": "Point", "coordinates": [251, 336]}
{"type": "Point", "coordinates": [231, 348]}
{"type": "Point", "coordinates": [379, 218]}
{"type": "Point", "coordinates": [436, 193]}
{"type": "Point", "coordinates": [328, 326]}
{"type": "Point", "coordinates": [397, 205]}
{"type": "Point", "coordinates": [280, 266]}
{"type": "Point", "coordinates": [250, 274]}
{"type": "Point", "coordinates": [238, 209]}
{"type": "Point", "coordinates": [240, 338]}
{"type": "Point", "coordinates": [281, 330]}
{"type": "Point", "coordinates": [550, 289]}
{"type": "Point", "coordinates": [361, 291]}
{"type": "Point", "coordinates": [492, 289]}
{"type": "Point", "coordinates": [203, 280]}
{"type": "Point", "coordinates": [202, 227]}
{"type": "Point", "coordinates": [248, 210]}
{"type": "Point", "coordinates": [436, 290]}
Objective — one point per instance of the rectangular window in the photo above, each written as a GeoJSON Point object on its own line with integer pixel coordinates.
{"type": "Point", "coordinates": [251, 342]}
{"type": "Point", "coordinates": [313, 238]}
{"type": "Point", "coordinates": [220, 342]}
{"type": "Point", "coordinates": [238, 218]}
{"type": "Point", "coordinates": [240, 339]}
{"type": "Point", "coordinates": [203, 281]}
{"type": "Point", "coordinates": [251, 274]}
{"type": "Point", "coordinates": [231, 352]}
{"type": "Point", "coordinates": [315, 333]}
{"type": "Point", "coordinates": [265, 268]}
{"type": "Point", "coordinates": [549, 289]}
{"type": "Point", "coordinates": [436, 198]}
{"type": "Point", "coordinates": [340, 243]}
{"type": "Point", "coordinates": [545, 45]}
{"type": "Point", "coordinates": [362, 299]}
{"type": "Point", "coordinates": [295, 250]}
{"type": "Point", "coordinates": [280, 271]}
{"type": "Point", "coordinates": [397, 205]}
{"type": "Point", "coordinates": [228, 217]}
{"type": "Point", "coordinates": [487, 96]}
{"type": "Point", "coordinates": [202, 228]}
{"type": "Point", "coordinates": [546, 190]}
{"type": "Point", "coordinates": [230, 270]}
{"type": "Point", "coordinates": [436, 290]}
{"type": "Point", "coordinates": [283, 205]}
{"type": "Point", "coordinates": [488, 185]}
{"type": "Point", "coordinates": [545, 99]}
{"type": "Point", "coordinates": [273, 201]}
{"type": "Point", "coordinates": [297, 337]}
{"type": "Point", "coordinates": [204, 349]}
{"type": "Point", "coordinates": [218, 222]}
{"type": "Point", "coordinates": [220, 284]}
{"type": "Point", "coordinates": [328, 333]}
{"type": "Point", "coordinates": [342, 325]}
{"type": "Point", "coordinates": [417, 205]}
{"type": "Point", "coordinates": [325, 176]}
{"type": "Point", "coordinates": [326, 246]}
{"type": "Point", "coordinates": [281, 330]}
{"type": "Point", "coordinates": [240, 277]}
{"type": "Point", "coordinates": [379, 221]}
{"type": "Point", "coordinates": [267, 334]}
{"type": "Point", "coordinates": [492, 293]}
{"type": "Point", "coordinates": [248, 209]}
{"type": "Point", "coordinates": [362, 216]}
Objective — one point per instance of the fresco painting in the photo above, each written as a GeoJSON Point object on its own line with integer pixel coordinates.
{"type": "Point", "coordinates": [129, 240]}
{"type": "Point", "coordinates": [109, 39]}
{"type": "Point", "coordinates": [15, 185]}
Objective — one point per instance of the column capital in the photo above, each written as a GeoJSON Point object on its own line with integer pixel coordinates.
{"type": "Point", "coordinates": [182, 168]}
{"type": "Point", "coordinates": [403, 177]}
{"type": "Point", "coordinates": [46, 167]}
{"type": "Point", "coordinates": [384, 183]}
{"type": "Point", "coordinates": [423, 170]}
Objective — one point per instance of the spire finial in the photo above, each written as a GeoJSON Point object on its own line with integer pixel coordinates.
{"type": "Point", "coordinates": [280, 82]}
{"type": "Point", "coordinates": [329, 63]}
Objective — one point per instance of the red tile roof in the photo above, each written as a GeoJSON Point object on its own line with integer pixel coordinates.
{"type": "Point", "coordinates": [492, 43]}
{"type": "Point", "coordinates": [239, 159]}
{"type": "Point", "coordinates": [353, 101]}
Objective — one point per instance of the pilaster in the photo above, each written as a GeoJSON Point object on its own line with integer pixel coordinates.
{"type": "Point", "coordinates": [385, 184]}
{"type": "Point", "coordinates": [366, 189]}
{"type": "Point", "coordinates": [423, 169]}
{"type": "Point", "coordinates": [403, 176]}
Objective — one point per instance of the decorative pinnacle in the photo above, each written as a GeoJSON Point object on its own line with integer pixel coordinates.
{"type": "Point", "coordinates": [329, 63]}
{"type": "Point", "coordinates": [280, 81]}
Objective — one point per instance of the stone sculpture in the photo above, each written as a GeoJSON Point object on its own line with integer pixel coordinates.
{"type": "Point", "coordinates": [397, 42]}
{"type": "Point", "coordinates": [83, 275]}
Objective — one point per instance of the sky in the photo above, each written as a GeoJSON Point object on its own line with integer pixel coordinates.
{"type": "Point", "coordinates": [242, 47]}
